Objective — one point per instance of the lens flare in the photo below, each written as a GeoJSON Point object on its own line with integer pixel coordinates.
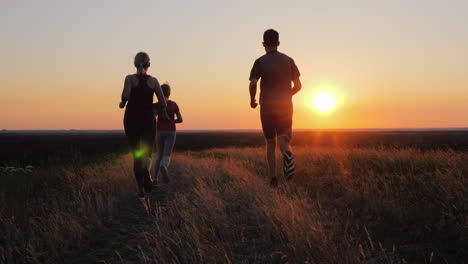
{"type": "Point", "coordinates": [138, 153]}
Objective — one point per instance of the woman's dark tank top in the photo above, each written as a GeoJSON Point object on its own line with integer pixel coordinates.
{"type": "Point", "coordinates": [140, 104]}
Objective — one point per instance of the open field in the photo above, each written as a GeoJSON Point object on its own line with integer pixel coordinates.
{"type": "Point", "coordinates": [357, 198]}
{"type": "Point", "coordinates": [50, 148]}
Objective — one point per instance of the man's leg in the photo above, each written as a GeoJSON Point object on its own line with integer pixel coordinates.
{"type": "Point", "coordinates": [284, 135]}
{"type": "Point", "coordinates": [288, 159]}
{"type": "Point", "coordinates": [271, 147]}
{"type": "Point", "coordinates": [269, 131]}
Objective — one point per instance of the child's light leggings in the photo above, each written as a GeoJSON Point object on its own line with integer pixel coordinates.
{"type": "Point", "coordinates": [165, 143]}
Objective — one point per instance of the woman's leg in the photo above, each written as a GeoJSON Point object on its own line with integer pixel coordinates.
{"type": "Point", "coordinates": [133, 137]}
{"type": "Point", "coordinates": [159, 155]}
{"type": "Point", "coordinates": [146, 148]}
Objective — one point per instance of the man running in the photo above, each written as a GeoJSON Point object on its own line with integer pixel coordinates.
{"type": "Point", "coordinates": [276, 71]}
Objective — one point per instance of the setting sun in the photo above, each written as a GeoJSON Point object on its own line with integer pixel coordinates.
{"type": "Point", "coordinates": [323, 101]}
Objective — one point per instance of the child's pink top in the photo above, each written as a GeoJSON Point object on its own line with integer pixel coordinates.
{"type": "Point", "coordinates": [168, 125]}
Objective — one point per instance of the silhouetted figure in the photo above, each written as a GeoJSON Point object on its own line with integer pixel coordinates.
{"type": "Point", "coordinates": [165, 135]}
{"type": "Point", "coordinates": [276, 71]}
{"type": "Point", "coordinates": [139, 120]}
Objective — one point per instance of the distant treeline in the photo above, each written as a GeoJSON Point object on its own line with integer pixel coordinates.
{"type": "Point", "coordinates": [41, 148]}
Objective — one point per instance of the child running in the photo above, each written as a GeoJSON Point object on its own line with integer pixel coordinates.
{"type": "Point", "coordinates": [165, 135]}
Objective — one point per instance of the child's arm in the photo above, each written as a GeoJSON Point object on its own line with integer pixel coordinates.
{"type": "Point", "coordinates": [179, 117]}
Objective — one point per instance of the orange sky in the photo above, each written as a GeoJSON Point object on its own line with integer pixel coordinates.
{"type": "Point", "coordinates": [391, 65]}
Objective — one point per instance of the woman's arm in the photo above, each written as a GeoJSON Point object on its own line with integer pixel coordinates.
{"type": "Point", "coordinates": [158, 91]}
{"type": "Point", "coordinates": [126, 91]}
{"type": "Point", "coordinates": [161, 99]}
{"type": "Point", "coordinates": [179, 117]}
{"type": "Point", "coordinates": [156, 108]}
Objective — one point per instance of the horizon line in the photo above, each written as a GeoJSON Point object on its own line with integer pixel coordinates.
{"type": "Point", "coordinates": [254, 130]}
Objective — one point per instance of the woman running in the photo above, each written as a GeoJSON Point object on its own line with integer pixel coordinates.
{"type": "Point", "coordinates": [139, 120]}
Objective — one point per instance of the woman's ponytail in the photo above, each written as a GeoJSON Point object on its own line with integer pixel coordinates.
{"type": "Point", "coordinates": [142, 61]}
{"type": "Point", "coordinates": [140, 69]}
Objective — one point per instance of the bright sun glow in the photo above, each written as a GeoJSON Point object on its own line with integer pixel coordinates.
{"type": "Point", "coordinates": [323, 101]}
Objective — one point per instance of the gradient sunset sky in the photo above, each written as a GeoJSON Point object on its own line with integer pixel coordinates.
{"type": "Point", "coordinates": [391, 64]}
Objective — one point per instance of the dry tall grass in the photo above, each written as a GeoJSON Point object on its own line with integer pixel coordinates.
{"type": "Point", "coordinates": [344, 206]}
{"type": "Point", "coordinates": [46, 214]}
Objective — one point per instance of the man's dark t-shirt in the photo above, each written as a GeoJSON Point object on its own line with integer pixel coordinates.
{"type": "Point", "coordinates": [275, 71]}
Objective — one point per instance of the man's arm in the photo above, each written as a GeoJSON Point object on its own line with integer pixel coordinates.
{"type": "Point", "coordinates": [253, 92]}
{"type": "Point", "coordinates": [297, 86]}
{"type": "Point", "coordinates": [255, 74]}
{"type": "Point", "coordinates": [295, 74]}
{"type": "Point", "coordinates": [126, 91]}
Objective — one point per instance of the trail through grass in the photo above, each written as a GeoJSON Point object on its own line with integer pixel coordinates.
{"type": "Point", "coordinates": [354, 206]}
{"type": "Point", "coordinates": [344, 206]}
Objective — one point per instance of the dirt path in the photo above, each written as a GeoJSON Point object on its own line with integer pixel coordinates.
{"type": "Point", "coordinates": [219, 208]}
{"type": "Point", "coordinates": [210, 212]}
{"type": "Point", "coordinates": [120, 241]}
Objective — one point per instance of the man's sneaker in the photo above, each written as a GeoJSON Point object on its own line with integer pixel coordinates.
{"type": "Point", "coordinates": [288, 165]}
{"type": "Point", "coordinates": [141, 196]}
{"type": "Point", "coordinates": [274, 182]}
{"type": "Point", "coordinates": [164, 173]}
{"type": "Point", "coordinates": [147, 182]}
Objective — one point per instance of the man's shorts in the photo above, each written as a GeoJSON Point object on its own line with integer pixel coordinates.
{"type": "Point", "coordinates": [276, 121]}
